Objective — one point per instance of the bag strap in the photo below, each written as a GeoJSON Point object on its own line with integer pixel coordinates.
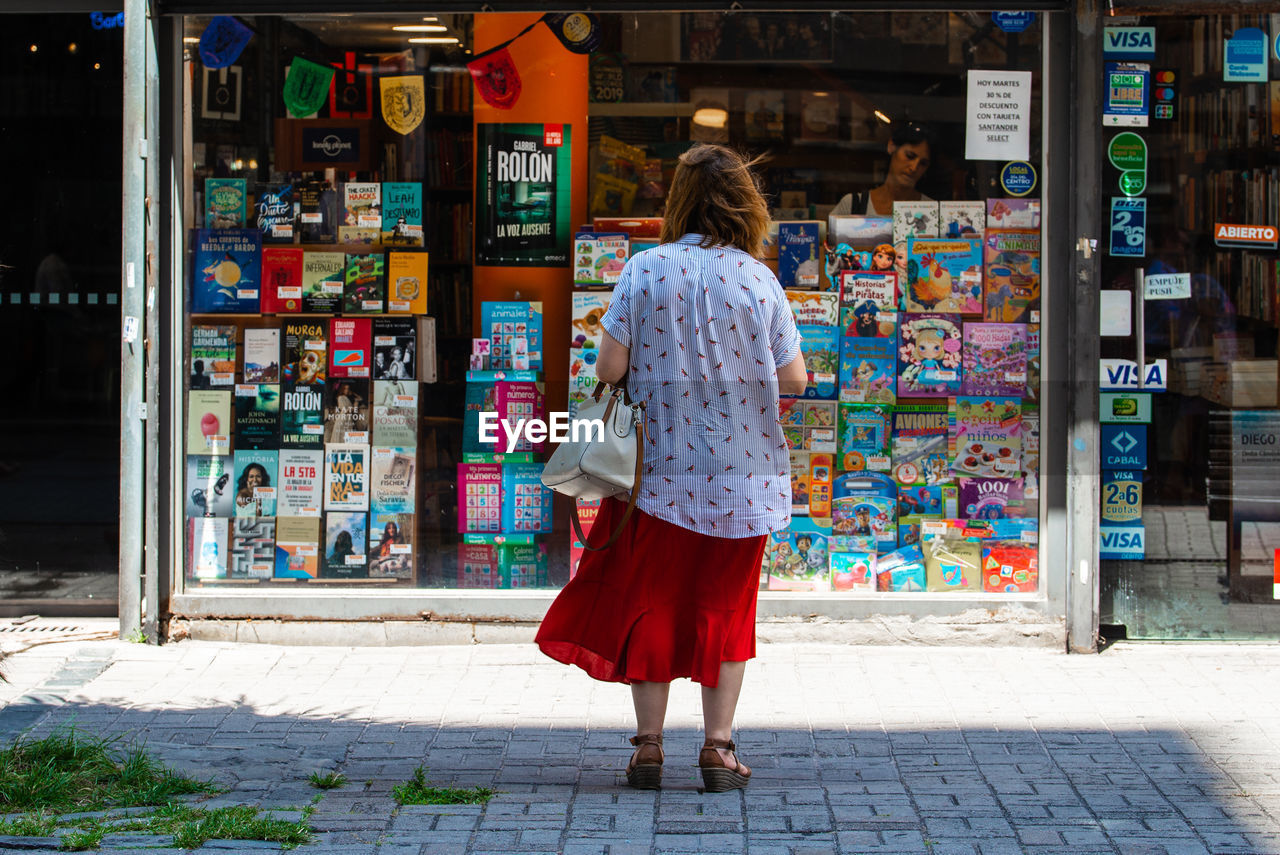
{"type": "Point", "coordinates": [631, 501]}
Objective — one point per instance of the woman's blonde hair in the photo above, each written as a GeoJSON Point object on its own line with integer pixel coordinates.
{"type": "Point", "coordinates": [715, 194]}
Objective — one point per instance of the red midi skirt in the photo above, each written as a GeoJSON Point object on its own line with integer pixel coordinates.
{"type": "Point", "coordinates": [662, 602]}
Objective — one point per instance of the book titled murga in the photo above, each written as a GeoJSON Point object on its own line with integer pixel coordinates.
{"type": "Point", "coordinates": [257, 415]}
{"type": "Point", "coordinates": [306, 353]}
{"type": "Point", "coordinates": [302, 417]}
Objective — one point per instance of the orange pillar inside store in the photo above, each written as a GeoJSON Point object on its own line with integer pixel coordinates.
{"type": "Point", "coordinates": [554, 91]}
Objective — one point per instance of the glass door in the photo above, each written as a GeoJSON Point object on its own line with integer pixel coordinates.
{"type": "Point", "coordinates": [1190, 469]}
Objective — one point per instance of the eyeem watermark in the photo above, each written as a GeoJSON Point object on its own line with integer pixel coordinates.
{"type": "Point", "coordinates": [561, 428]}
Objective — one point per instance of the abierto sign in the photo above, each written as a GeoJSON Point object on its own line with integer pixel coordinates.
{"type": "Point", "coordinates": [1246, 237]}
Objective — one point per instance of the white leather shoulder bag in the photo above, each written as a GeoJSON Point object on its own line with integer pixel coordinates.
{"type": "Point", "coordinates": [592, 467]}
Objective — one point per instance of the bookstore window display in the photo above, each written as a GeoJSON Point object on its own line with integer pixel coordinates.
{"type": "Point", "coordinates": [324, 447]}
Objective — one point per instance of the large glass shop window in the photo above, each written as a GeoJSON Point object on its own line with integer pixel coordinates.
{"type": "Point", "coordinates": [337, 381]}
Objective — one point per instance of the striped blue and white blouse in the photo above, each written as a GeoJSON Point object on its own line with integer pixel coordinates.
{"type": "Point", "coordinates": [707, 329]}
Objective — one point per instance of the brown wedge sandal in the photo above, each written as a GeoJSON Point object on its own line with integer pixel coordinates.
{"type": "Point", "coordinates": [716, 776]}
{"type": "Point", "coordinates": [644, 772]}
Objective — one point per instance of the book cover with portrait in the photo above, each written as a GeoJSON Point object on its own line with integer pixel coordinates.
{"type": "Point", "coordinates": [395, 413]}
{"type": "Point", "coordinates": [255, 482]}
{"type": "Point", "coordinates": [346, 410]}
{"type": "Point", "coordinates": [395, 348]}
{"type": "Point", "coordinates": [306, 352]}
{"type": "Point", "coordinates": [346, 543]}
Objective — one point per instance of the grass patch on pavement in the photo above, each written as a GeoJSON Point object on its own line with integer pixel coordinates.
{"type": "Point", "coordinates": [416, 791]}
{"type": "Point", "coordinates": [327, 781]}
{"type": "Point", "coordinates": [69, 771]}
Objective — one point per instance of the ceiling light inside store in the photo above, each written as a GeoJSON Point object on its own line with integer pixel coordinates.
{"type": "Point", "coordinates": [35, 48]}
{"type": "Point", "coordinates": [882, 117]}
{"type": "Point", "coordinates": [711, 117]}
{"type": "Point", "coordinates": [191, 40]}
{"type": "Point", "coordinates": [434, 40]}
{"type": "Point", "coordinates": [420, 28]}
{"type": "Point", "coordinates": [73, 47]}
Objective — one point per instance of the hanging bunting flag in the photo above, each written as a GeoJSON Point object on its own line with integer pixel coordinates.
{"type": "Point", "coordinates": [577, 31]}
{"type": "Point", "coordinates": [222, 41]}
{"type": "Point", "coordinates": [496, 78]}
{"type": "Point", "coordinates": [351, 95]}
{"type": "Point", "coordinates": [306, 85]}
{"type": "Point", "coordinates": [404, 102]}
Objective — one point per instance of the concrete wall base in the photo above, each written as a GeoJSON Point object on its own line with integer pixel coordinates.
{"type": "Point", "coordinates": [1010, 626]}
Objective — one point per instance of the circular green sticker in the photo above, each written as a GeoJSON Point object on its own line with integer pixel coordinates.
{"type": "Point", "coordinates": [1127, 151]}
{"type": "Point", "coordinates": [1133, 182]}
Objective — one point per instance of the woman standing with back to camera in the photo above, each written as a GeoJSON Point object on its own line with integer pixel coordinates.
{"type": "Point", "coordinates": [700, 330]}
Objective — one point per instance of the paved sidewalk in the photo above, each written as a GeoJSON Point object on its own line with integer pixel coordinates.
{"type": "Point", "coordinates": [1142, 749]}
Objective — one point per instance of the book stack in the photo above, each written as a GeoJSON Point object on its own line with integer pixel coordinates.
{"type": "Point", "coordinates": [922, 342]}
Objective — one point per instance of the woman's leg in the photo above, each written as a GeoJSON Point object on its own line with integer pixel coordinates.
{"type": "Point", "coordinates": [650, 700]}
{"type": "Point", "coordinates": [719, 704]}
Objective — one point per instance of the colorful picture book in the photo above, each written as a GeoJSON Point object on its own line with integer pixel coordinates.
{"type": "Point", "coordinates": [961, 219]}
{"type": "Point", "coordinates": [868, 370]}
{"type": "Point", "coordinates": [995, 359]}
{"type": "Point", "coordinates": [864, 513]}
{"type": "Point", "coordinates": [361, 212]}
{"type": "Point", "coordinates": [213, 356]}
{"type": "Point", "coordinates": [515, 403]}
{"type": "Point", "coordinates": [921, 440]}
{"type": "Point", "coordinates": [514, 330]}
{"type": "Point", "coordinates": [876, 288]}
{"type": "Point", "coordinates": [991, 498]}
{"type": "Point", "coordinates": [799, 254]}
{"type": "Point", "coordinates": [799, 483]}
{"type": "Point", "coordinates": [943, 275]}
{"type": "Point", "coordinates": [402, 223]}
{"type": "Point", "coordinates": [598, 257]}
{"type": "Point", "coordinates": [1013, 213]}
{"type": "Point", "coordinates": [864, 436]}
{"type": "Point", "coordinates": [1012, 275]}
{"type": "Point", "coordinates": [929, 355]}
{"type": "Point", "coordinates": [808, 425]}
{"type": "Point", "coordinates": [857, 242]}
{"type": "Point", "coordinates": [226, 270]}
{"type": "Point", "coordinates": [988, 437]}
{"type": "Point", "coordinates": [820, 345]}
{"type": "Point", "coordinates": [911, 219]}
{"type": "Point", "coordinates": [853, 571]}
{"type": "Point", "coordinates": [526, 504]}
{"type": "Point", "coordinates": [796, 558]}
{"type": "Point", "coordinates": [479, 498]}
{"type": "Point", "coordinates": [820, 308]}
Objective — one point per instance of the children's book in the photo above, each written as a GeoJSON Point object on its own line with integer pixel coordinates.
{"type": "Point", "coordinates": [391, 545]}
{"type": "Point", "coordinates": [799, 256]}
{"type": "Point", "coordinates": [361, 212]}
{"type": "Point", "coordinates": [395, 413]}
{"type": "Point", "coordinates": [479, 498]}
{"type": "Point", "coordinates": [1031, 455]}
{"type": "Point", "coordinates": [961, 219]}
{"type": "Point", "coordinates": [943, 275]}
{"type": "Point", "coordinates": [317, 217]}
{"type": "Point", "coordinates": [226, 270]}
{"type": "Point", "coordinates": [282, 279]}
{"type": "Point", "coordinates": [939, 500]}
{"type": "Point", "coordinates": [901, 570]}
{"type": "Point", "coordinates": [988, 437]}
{"type": "Point", "coordinates": [820, 345]}
{"type": "Point", "coordinates": [350, 347]}
{"type": "Point", "coordinates": [864, 438]}
{"type": "Point", "coordinates": [929, 355]}
{"type": "Point", "coordinates": [213, 356]}
{"type": "Point", "coordinates": [395, 348]}
{"type": "Point", "coordinates": [209, 422]}
{"type": "Point", "coordinates": [262, 355]}
{"type": "Point", "coordinates": [256, 473]}
{"type": "Point", "coordinates": [517, 402]}
{"type": "Point", "coordinates": [821, 474]}
{"type": "Point", "coordinates": [225, 203]}
{"type": "Point", "coordinates": [876, 288]}
{"type": "Point", "coordinates": [582, 377]}
{"type": "Point", "coordinates": [346, 410]}
{"type": "Point", "coordinates": [297, 548]}
{"type": "Point", "coordinates": [920, 443]}
{"type": "Point", "coordinates": [797, 557]}
{"type": "Point", "coordinates": [514, 330]}
{"type": "Point", "coordinates": [1010, 569]}
{"type": "Point", "coordinates": [393, 486]}
{"type": "Point", "coordinates": [407, 282]}
{"type": "Point", "coordinates": [1012, 275]}
{"type": "Point", "coordinates": [253, 548]}
{"type": "Point", "coordinates": [799, 483]}
{"type": "Point", "coordinates": [864, 513]}
{"type": "Point", "coordinates": [364, 289]}
{"type": "Point", "coordinates": [300, 487]}
{"type": "Point", "coordinates": [346, 540]}
{"type": "Point", "coordinates": [1013, 213]}
{"type": "Point", "coordinates": [480, 397]}
{"type": "Point", "coordinates": [857, 242]}
{"type": "Point", "coordinates": [911, 219]}
{"type": "Point", "coordinates": [401, 214]}
{"type": "Point", "coordinates": [991, 498]}
{"type": "Point", "coordinates": [853, 571]}
{"type": "Point", "coordinates": [868, 370]}
{"type": "Point", "coordinates": [1032, 392]}
{"type": "Point", "coordinates": [306, 354]}
{"type": "Point", "coordinates": [808, 425]}
{"type": "Point", "coordinates": [866, 321]}
{"type": "Point", "coordinates": [995, 359]}
{"type": "Point", "coordinates": [526, 504]}
{"type": "Point", "coordinates": [598, 257]}
{"type": "Point", "coordinates": [209, 539]}
{"type": "Point", "coordinates": [952, 565]}
{"type": "Point", "coordinates": [257, 415]}
{"type": "Point", "coordinates": [819, 308]}
{"type": "Point", "coordinates": [346, 477]}
{"type": "Point", "coordinates": [210, 486]}
{"type": "Point", "coordinates": [276, 210]}
{"type": "Point", "coordinates": [589, 308]}
{"type": "Point", "coordinates": [323, 278]}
